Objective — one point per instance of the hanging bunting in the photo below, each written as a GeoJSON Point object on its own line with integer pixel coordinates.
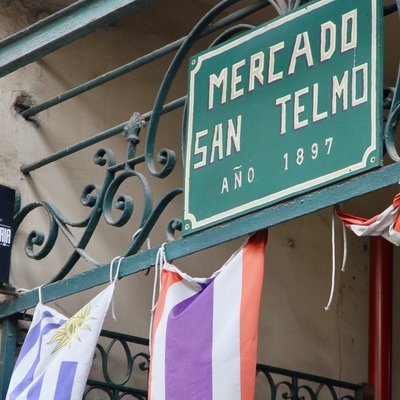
{"type": "Point", "coordinates": [386, 224]}
{"type": "Point", "coordinates": [204, 336]}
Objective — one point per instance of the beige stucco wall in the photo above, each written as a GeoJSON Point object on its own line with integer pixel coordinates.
{"type": "Point", "coordinates": [295, 330]}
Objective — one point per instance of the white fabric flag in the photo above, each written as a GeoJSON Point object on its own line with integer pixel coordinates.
{"type": "Point", "coordinates": [57, 353]}
{"type": "Point", "coordinates": [386, 224]}
{"type": "Point", "coordinates": [204, 336]}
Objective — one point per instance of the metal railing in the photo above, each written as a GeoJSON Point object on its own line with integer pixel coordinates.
{"type": "Point", "coordinates": [272, 383]}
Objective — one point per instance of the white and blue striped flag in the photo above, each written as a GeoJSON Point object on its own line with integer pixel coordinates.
{"type": "Point", "coordinates": [57, 353]}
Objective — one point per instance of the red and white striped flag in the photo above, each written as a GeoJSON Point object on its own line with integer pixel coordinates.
{"type": "Point", "coordinates": [385, 224]}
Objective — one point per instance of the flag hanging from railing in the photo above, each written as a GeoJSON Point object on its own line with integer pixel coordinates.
{"type": "Point", "coordinates": [55, 359]}
{"type": "Point", "coordinates": [204, 336]}
{"type": "Point", "coordinates": [386, 224]}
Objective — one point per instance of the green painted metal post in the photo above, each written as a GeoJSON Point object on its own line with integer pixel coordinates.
{"type": "Point", "coordinates": [7, 352]}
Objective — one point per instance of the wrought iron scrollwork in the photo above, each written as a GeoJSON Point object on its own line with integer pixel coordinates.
{"type": "Point", "coordinates": [276, 383]}
{"type": "Point", "coordinates": [285, 384]}
{"type": "Point", "coordinates": [106, 200]}
{"type": "Point", "coordinates": [167, 157]}
{"type": "Point", "coordinates": [96, 390]}
{"type": "Point", "coordinates": [92, 197]}
{"type": "Point", "coordinates": [392, 119]}
{"type": "Point", "coordinates": [394, 115]}
{"type": "Point", "coordinates": [124, 203]}
{"type": "Point", "coordinates": [282, 384]}
{"type": "Point", "coordinates": [101, 200]}
{"type": "Point", "coordinates": [140, 360]}
{"type": "Point", "coordinates": [136, 365]}
{"type": "Point", "coordinates": [35, 237]}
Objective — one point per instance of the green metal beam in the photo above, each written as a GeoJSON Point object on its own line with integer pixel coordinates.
{"type": "Point", "coordinates": [271, 216]}
{"type": "Point", "coordinates": [61, 28]}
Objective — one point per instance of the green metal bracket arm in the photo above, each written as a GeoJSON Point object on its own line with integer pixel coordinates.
{"type": "Point", "coordinates": [394, 116]}
{"type": "Point", "coordinates": [61, 28]}
{"type": "Point", "coordinates": [271, 216]}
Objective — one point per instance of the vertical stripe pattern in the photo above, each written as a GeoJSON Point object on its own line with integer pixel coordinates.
{"type": "Point", "coordinates": [253, 271]}
{"type": "Point", "coordinates": [179, 356]}
{"type": "Point", "coordinates": [226, 330]}
{"type": "Point", "coordinates": [204, 339]}
{"type": "Point", "coordinates": [174, 293]}
{"type": "Point", "coordinates": [65, 381]}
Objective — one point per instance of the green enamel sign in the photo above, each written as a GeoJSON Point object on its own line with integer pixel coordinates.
{"type": "Point", "coordinates": [288, 107]}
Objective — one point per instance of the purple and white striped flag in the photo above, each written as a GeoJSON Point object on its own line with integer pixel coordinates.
{"type": "Point", "coordinates": [204, 336]}
{"type": "Point", "coordinates": [57, 353]}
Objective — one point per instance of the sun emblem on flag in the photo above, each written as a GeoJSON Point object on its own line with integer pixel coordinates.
{"type": "Point", "coordinates": [70, 330]}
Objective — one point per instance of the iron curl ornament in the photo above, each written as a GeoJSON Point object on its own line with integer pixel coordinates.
{"type": "Point", "coordinates": [134, 362]}
{"type": "Point", "coordinates": [100, 200]}
{"type": "Point", "coordinates": [392, 99]}
{"type": "Point", "coordinates": [135, 366]}
{"type": "Point", "coordinates": [282, 384]}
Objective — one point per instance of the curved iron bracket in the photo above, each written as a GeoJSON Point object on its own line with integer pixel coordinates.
{"type": "Point", "coordinates": [393, 117]}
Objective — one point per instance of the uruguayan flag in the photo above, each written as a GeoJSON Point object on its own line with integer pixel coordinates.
{"type": "Point", "coordinates": [57, 353]}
